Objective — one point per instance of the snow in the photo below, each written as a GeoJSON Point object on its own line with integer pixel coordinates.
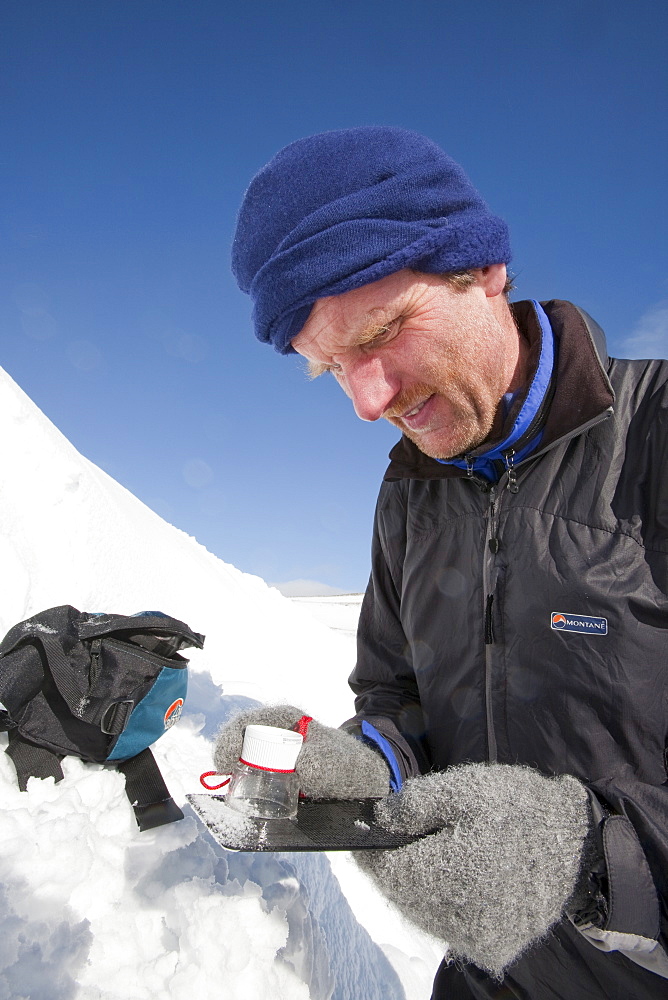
{"type": "Point", "coordinates": [341, 612]}
{"type": "Point", "coordinates": [91, 909]}
{"type": "Point", "coordinates": [304, 588]}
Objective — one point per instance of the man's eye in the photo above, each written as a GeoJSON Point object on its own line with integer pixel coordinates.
{"type": "Point", "coordinates": [317, 368]}
{"type": "Point", "coordinates": [382, 334]}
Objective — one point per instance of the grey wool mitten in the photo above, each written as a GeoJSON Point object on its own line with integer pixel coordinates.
{"type": "Point", "coordinates": [502, 865]}
{"type": "Point", "coordinates": [331, 764]}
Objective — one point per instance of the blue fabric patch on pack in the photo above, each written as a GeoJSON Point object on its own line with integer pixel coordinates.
{"type": "Point", "coordinates": [372, 735]}
{"type": "Point", "coordinates": [154, 714]}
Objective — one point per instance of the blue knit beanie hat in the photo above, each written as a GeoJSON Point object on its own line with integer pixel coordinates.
{"type": "Point", "coordinates": [339, 210]}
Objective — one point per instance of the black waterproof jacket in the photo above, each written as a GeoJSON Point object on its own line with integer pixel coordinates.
{"type": "Point", "coordinates": [465, 641]}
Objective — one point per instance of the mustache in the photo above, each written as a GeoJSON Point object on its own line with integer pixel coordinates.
{"type": "Point", "coordinates": [407, 399]}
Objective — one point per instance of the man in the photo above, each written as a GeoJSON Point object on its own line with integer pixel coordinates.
{"type": "Point", "coordinates": [512, 644]}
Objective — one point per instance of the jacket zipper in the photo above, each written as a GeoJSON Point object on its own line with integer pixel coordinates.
{"type": "Point", "coordinates": [509, 459]}
{"type": "Point", "coordinates": [492, 545]}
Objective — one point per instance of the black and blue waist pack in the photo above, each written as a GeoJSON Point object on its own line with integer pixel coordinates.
{"type": "Point", "coordinates": [101, 687]}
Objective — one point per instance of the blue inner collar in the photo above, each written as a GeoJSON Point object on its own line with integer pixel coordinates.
{"type": "Point", "coordinates": [484, 463]}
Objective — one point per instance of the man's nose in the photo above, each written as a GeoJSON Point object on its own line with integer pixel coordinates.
{"type": "Point", "coordinates": [371, 387]}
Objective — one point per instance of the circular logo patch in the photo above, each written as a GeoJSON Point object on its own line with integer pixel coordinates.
{"type": "Point", "coordinates": [173, 713]}
{"type": "Point", "coordinates": [558, 621]}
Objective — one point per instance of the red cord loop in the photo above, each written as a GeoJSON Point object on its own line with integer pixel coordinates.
{"type": "Point", "coordinates": [301, 726]}
{"type": "Point", "coordinates": [274, 770]}
{"type": "Point", "coordinates": [212, 788]}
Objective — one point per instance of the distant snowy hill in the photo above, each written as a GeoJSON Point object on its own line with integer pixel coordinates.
{"type": "Point", "coordinates": [340, 612]}
{"type": "Point", "coordinates": [90, 909]}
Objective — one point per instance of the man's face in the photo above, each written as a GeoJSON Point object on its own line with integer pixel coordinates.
{"type": "Point", "coordinates": [433, 360]}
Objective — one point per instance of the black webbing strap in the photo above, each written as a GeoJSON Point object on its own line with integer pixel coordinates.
{"type": "Point", "coordinates": [147, 791]}
{"type": "Point", "coordinates": [73, 685]}
{"type": "Point", "coordinates": [32, 761]}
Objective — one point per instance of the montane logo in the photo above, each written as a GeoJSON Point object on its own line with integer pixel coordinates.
{"type": "Point", "coordinates": [565, 622]}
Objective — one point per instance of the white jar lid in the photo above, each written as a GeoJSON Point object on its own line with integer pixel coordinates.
{"type": "Point", "coordinates": [272, 748]}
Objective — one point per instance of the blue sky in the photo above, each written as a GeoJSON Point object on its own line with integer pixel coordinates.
{"type": "Point", "coordinates": [130, 131]}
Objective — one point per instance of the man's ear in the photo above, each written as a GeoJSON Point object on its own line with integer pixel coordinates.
{"type": "Point", "coordinates": [492, 278]}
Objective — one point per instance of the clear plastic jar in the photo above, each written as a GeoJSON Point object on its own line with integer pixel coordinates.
{"type": "Point", "coordinates": [264, 783]}
{"type": "Point", "coordinates": [263, 794]}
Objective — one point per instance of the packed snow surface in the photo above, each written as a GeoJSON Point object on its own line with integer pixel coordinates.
{"type": "Point", "coordinates": [92, 909]}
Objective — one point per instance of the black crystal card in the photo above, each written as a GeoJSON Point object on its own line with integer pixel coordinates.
{"type": "Point", "coordinates": [331, 825]}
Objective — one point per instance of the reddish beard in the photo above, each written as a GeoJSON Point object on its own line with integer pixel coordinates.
{"type": "Point", "coordinates": [469, 428]}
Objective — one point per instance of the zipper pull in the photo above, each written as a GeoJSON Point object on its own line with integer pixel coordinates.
{"type": "Point", "coordinates": [508, 458]}
{"type": "Point", "coordinates": [469, 466]}
{"type": "Point", "coordinates": [489, 627]}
